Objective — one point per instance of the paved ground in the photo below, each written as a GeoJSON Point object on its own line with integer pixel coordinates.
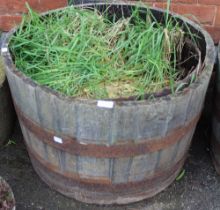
{"type": "Point", "coordinates": [199, 189]}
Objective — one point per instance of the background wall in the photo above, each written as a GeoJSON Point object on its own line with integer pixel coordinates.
{"type": "Point", "coordinates": [207, 12]}
{"type": "Point", "coordinates": [11, 10]}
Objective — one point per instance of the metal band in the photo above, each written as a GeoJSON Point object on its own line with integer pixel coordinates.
{"type": "Point", "coordinates": [129, 149]}
{"type": "Point", "coordinates": [100, 185]}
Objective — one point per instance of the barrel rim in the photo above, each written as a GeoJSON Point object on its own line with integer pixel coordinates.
{"type": "Point", "coordinates": [207, 64]}
{"type": "Point", "coordinates": [218, 59]}
{"type": "Point", "coordinates": [2, 83]}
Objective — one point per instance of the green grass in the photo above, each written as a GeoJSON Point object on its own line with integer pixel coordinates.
{"type": "Point", "coordinates": [82, 53]}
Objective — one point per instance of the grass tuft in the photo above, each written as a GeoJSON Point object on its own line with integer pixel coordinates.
{"type": "Point", "coordinates": [85, 54]}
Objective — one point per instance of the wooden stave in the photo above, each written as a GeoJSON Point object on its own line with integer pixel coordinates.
{"type": "Point", "coordinates": [7, 113]}
{"type": "Point", "coordinates": [215, 140]}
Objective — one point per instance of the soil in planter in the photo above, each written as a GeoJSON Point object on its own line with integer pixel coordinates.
{"type": "Point", "coordinates": [85, 54]}
{"type": "Point", "coordinates": [6, 198]}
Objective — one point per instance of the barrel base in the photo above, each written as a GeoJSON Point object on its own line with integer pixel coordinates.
{"type": "Point", "coordinates": [104, 194]}
{"type": "Point", "coordinates": [216, 165]}
{"type": "Point", "coordinates": [215, 148]}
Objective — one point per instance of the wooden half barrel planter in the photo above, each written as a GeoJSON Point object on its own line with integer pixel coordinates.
{"type": "Point", "coordinates": [7, 200]}
{"type": "Point", "coordinates": [215, 143]}
{"type": "Point", "coordinates": [121, 151]}
{"type": "Point", "coordinates": [7, 113]}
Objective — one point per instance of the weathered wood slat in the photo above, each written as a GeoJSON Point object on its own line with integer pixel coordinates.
{"type": "Point", "coordinates": [216, 128]}
{"type": "Point", "coordinates": [216, 120]}
{"type": "Point", "coordinates": [94, 168]}
{"type": "Point", "coordinates": [7, 113]}
{"type": "Point", "coordinates": [143, 167]}
{"type": "Point", "coordinates": [121, 169]}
